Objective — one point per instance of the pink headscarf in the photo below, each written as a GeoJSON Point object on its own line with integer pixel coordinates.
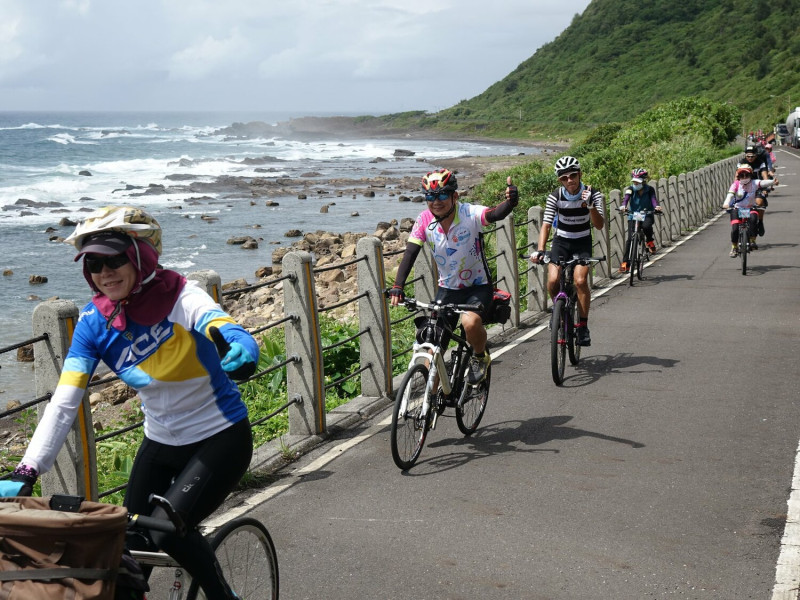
{"type": "Point", "coordinates": [152, 297]}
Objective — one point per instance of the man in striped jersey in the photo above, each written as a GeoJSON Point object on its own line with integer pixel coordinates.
{"type": "Point", "coordinates": [574, 208]}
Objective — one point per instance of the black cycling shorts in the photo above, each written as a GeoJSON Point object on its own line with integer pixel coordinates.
{"type": "Point", "coordinates": [476, 294]}
{"type": "Point", "coordinates": [568, 248]}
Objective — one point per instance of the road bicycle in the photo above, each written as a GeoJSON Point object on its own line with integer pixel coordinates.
{"type": "Point", "coordinates": [637, 253]}
{"type": "Point", "coordinates": [743, 244]}
{"type": "Point", "coordinates": [563, 340]}
{"type": "Point", "coordinates": [432, 383]}
{"type": "Point", "coordinates": [242, 546]}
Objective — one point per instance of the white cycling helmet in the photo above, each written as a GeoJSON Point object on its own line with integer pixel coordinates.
{"type": "Point", "coordinates": [567, 164]}
{"type": "Point", "coordinates": [131, 221]}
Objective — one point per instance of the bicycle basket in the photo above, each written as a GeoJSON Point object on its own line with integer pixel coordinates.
{"type": "Point", "coordinates": [56, 554]}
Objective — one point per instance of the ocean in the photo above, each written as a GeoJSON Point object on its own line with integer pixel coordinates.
{"type": "Point", "coordinates": [43, 156]}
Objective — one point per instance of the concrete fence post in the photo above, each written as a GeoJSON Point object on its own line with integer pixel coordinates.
{"type": "Point", "coordinates": [375, 345]}
{"type": "Point", "coordinates": [305, 378]}
{"type": "Point", "coordinates": [426, 276]}
{"type": "Point", "coordinates": [601, 246]}
{"type": "Point", "coordinates": [672, 211]}
{"type": "Point", "coordinates": [617, 225]}
{"type": "Point", "coordinates": [507, 265]}
{"type": "Point", "coordinates": [210, 281]}
{"type": "Point", "coordinates": [74, 471]}
{"type": "Point", "coordinates": [694, 218]}
{"type": "Point", "coordinates": [675, 198]}
{"type": "Point", "coordinates": [536, 284]}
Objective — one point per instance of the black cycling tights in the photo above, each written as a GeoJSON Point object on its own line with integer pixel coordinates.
{"type": "Point", "coordinates": [196, 479]}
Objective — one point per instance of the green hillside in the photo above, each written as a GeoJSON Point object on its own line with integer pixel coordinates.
{"type": "Point", "coordinates": [622, 57]}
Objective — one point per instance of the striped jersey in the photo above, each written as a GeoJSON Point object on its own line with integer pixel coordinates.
{"type": "Point", "coordinates": [573, 215]}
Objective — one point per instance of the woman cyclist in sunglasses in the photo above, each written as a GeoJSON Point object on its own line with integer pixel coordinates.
{"type": "Point", "coordinates": [152, 328]}
{"type": "Point", "coordinates": [453, 231]}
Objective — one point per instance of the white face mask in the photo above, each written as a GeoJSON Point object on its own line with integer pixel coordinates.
{"type": "Point", "coordinates": [745, 180]}
{"type": "Point", "coordinates": [637, 186]}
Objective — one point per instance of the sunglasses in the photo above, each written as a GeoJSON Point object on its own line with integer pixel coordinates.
{"type": "Point", "coordinates": [441, 196]}
{"type": "Point", "coordinates": [95, 264]}
{"type": "Point", "coordinates": [569, 176]}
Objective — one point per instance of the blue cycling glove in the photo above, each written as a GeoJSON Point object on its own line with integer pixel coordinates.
{"type": "Point", "coordinates": [9, 489]}
{"type": "Point", "coordinates": [238, 363]}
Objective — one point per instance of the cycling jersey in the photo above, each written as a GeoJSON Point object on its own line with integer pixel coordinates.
{"type": "Point", "coordinates": [744, 196]}
{"type": "Point", "coordinates": [458, 253]}
{"type": "Point", "coordinates": [573, 214]}
{"type": "Point", "coordinates": [186, 396]}
{"type": "Point", "coordinates": [644, 199]}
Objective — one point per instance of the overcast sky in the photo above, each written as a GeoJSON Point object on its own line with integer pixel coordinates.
{"type": "Point", "coordinates": [308, 56]}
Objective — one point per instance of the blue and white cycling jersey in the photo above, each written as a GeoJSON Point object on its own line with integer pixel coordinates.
{"type": "Point", "coordinates": [186, 395]}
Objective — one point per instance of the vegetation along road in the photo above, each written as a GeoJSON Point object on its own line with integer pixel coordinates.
{"type": "Point", "coordinates": [661, 468]}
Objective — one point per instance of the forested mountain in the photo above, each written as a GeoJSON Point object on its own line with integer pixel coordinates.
{"type": "Point", "coordinates": [621, 57]}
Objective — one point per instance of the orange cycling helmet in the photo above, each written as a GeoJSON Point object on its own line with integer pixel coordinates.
{"type": "Point", "coordinates": [442, 180]}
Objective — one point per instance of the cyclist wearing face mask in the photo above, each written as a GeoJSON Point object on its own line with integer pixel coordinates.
{"type": "Point", "coordinates": [640, 196]}
{"type": "Point", "coordinates": [577, 208]}
{"type": "Point", "coordinates": [744, 193]}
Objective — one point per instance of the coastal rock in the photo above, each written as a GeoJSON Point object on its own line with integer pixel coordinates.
{"type": "Point", "coordinates": [238, 240]}
{"type": "Point", "coordinates": [25, 354]}
{"type": "Point", "coordinates": [66, 222]}
{"type": "Point", "coordinates": [293, 233]}
{"type": "Point", "coordinates": [250, 244]}
{"type": "Point", "coordinates": [37, 279]}
{"type": "Point", "coordinates": [369, 194]}
{"type": "Point", "coordinates": [301, 196]}
{"type": "Point", "coordinates": [85, 173]}
{"type": "Point", "coordinates": [263, 272]}
{"type": "Point", "coordinates": [400, 152]}
{"type": "Point", "coordinates": [7, 272]}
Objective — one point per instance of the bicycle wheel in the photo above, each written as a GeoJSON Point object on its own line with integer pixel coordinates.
{"type": "Point", "coordinates": [573, 349]}
{"type": "Point", "coordinates": [743, 241]}
{"type": "Point", "coordinates": [472, 404]}
{"type": "Point", "coordinates": [409, 429]}
{"type": "Point", "coordinates": [632, 258]}
{"type": "Point", "coordinates": [247, 558]}
{"type": "Point", "coordinates": [641, 257]}
{"type": "Point", "coordinates": [558, 341]}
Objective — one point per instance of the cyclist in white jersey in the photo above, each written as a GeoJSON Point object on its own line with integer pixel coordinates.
{"type": "Point", "coordinates": [578, 208]}
{"type": "Point", "coordinates": [453, 231]}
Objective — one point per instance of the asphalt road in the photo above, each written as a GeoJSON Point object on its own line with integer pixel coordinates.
{"type": "Point", "coordinates": [662, 468]}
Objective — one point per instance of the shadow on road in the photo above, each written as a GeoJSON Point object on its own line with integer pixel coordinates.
{"type": "Point", "coordinates": [591, 368]}
{"type": "Point", "coordinates": [507, 437]}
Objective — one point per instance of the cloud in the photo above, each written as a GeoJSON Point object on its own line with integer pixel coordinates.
{"type": "Point", "coordinates": [208, 56]}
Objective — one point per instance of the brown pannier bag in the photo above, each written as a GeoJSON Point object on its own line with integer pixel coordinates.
{"type": "Point", "coordinates": [52, 554]}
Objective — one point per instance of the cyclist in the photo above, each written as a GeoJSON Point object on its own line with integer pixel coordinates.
{"type": "Point", "coordinates": [755, 157]}
{"type": "Point", "coordinates": [151, 327]}
{"type": "Point", "coordinates": [639, 196]}
{"type": "Point", "coordinates": [578, 207]}
{"type": "Point", "coordinates": [744, 193]}
{"type": "Point", "coordinates": [453, 231]}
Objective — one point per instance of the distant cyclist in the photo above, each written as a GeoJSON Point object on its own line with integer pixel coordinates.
{"type": "Point", "coordinates": [150, 326]}
{"type": "Point", "coordinates": [639, 196]}
{"type": "Point", "coordinates": [578, 208]}
{"type": "Point", "coordinates": [744, 193]}
{"type": "Point", "coordinates": [757, 159]}
{"type": "Point", "coordinates": [453, 231]}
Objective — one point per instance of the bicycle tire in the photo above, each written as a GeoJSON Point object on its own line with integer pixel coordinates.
{"type": "Point", "coordinates": [409, 430]}
{"type": "Point", "coordinates": [558, 341]}
{"type": "Point", "coordinates": [248, 560]}
{"type": "Point", "coordinates": [632, 258]}
{"type": "Point", "coordinates": [641, 258]}
{"type": "Point", "coordinates": [573, 349]}
{"type": "Point", "coordinates": [744, 239]}
{"type": "Point", "coordinates": [472, 404]}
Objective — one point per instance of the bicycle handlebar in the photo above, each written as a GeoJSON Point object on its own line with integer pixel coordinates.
{"type": "Point", "coordinates": [414, 304]}
{"type": "Point", "coordinates": [573, 261]}
{"type": "Point", "coordinates": [173, 524]}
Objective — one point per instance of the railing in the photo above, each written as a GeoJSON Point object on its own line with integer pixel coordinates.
{"type": "Point", "coordinates": [687, 200]}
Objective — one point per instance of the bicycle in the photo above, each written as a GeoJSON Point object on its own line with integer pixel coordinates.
{"type": "Point", "coordinates": [564, 317]}
{"type": "Point", "coordinates": [637, 252]}
{"type": "Point", "coordinates": [424, 393]}
{"type": "Point", "coordinates": [243, 547]}
{"type": "Point", "coordinates": [743, 244]}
